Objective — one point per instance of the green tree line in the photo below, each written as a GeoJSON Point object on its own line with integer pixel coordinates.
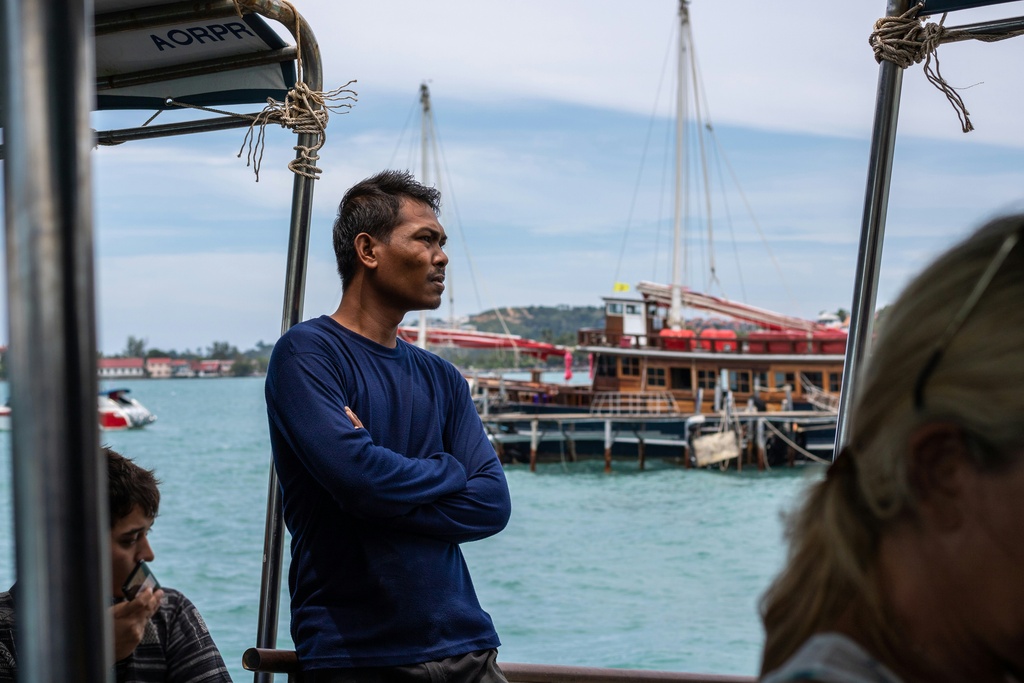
{"type": "Point", "coordinates": [551, 324]}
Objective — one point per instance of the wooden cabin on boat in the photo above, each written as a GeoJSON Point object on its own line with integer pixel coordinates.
{"type": "Point", "coordinates": [638, 357]}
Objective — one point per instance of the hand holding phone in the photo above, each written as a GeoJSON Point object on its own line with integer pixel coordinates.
{"type": "Point", "coordinates": [140, 577]}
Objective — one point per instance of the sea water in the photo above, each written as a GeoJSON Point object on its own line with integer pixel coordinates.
{"type": "Point", "coordinates": [653, 569]}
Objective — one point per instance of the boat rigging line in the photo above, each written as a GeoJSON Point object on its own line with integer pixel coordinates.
{"type": "Point", "coordinates": [640, 170]}
{"type": "Point", "coordinates": [693, 129]}
{"type": "Point", "coordinates": [794, 445]}
{"type": "Point", "coordinates": [431, 146]}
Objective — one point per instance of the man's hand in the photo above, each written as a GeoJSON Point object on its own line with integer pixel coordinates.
{"type": "Point", "coordinates": [355, 418]}
{"type": "Point", "coordinates": [130, 618]}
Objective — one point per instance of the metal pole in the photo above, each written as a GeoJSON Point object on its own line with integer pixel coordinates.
{"type": "Point", "coordinates": [295, 285]}
{"type": "Point", "coordinates": [608, 443]}
{"type": "Point", "coordinates": [61, 530]}
{"type": "Point", "coordinates": [876, 202]}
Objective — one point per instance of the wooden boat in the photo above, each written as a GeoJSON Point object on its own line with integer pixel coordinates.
{"type": "Point", "coordinates": [653, 373]}
{"type": "Point", "coordinates": [656, 391]}
{"type": "Point", "coordinates": [640, 365]}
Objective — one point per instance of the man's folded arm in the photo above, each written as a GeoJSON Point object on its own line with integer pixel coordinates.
{"type": "Point", "coordinates": [480, 510]}
{"type": "Point", "coordinates": [366, 479]}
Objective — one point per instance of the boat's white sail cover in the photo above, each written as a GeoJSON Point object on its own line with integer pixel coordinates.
{"type": "Point", "coordinates": [182, 43]}
{"type": "Point", "coordinates": [711, 449]}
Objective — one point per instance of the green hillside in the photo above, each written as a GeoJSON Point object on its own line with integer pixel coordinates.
{"type": "Point", "coordinates": [554, 324]}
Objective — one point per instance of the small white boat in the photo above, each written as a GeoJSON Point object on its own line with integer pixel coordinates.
{"type": "Point", "coordinates": [117, 410]}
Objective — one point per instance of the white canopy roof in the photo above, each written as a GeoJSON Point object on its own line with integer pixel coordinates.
{"type": "Point", "coordinates": [137, 41]}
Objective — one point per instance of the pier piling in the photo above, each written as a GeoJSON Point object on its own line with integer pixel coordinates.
{"type": "Point", "coordinates": [534, 443]}
{"type": "Point", "coordinates": [608, 446]}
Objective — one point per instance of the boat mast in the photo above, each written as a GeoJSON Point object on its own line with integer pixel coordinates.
{"type": "Point", "coordinates": [421, 338]}
{"type": "Point", "coordinates": [675, 314]}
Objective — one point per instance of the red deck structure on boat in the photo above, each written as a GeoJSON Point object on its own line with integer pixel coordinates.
{"type": "Point", "coordinates": [469, 339]}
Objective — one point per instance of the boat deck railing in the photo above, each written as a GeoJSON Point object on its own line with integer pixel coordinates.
{"type": "Point", "coordinates": [726, 346]}
{"type": "Point", "coordinates": [818, 397]}
{"type": "Point", "coordinates": [287, 662]}
{"type": "Point", "coordinates": [633, 403]}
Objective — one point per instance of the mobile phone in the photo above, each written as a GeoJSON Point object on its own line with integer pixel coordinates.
{"type": "Point", "coordinates": [140, 577]}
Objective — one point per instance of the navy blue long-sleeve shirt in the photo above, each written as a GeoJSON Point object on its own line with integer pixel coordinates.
{"type": "Point", "coordinates": [376, 514]}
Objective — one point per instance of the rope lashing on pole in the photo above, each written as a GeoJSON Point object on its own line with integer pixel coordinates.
{"type": "Point", "coordinates": [302, 111]}
{"type": "Point", "coordinates": [905, 40]}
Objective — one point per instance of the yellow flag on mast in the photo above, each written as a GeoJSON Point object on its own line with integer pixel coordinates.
{"type": "Point", "coordinates": [620, 287]}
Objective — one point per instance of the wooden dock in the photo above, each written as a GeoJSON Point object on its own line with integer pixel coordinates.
{"type": "Point", "coordinates": [601, 433]}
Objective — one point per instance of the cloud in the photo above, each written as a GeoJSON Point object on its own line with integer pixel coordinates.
{"type": "Point", "coordinates": [555, 139]}
{"type": "Point", "coordinates": [778, 66]}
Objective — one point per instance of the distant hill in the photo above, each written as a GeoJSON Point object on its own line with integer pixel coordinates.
{"type": "Point", "coordinates": [554, 324]}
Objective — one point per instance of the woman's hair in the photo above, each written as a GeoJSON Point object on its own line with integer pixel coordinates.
{"type": "Point", "coordinates": [833, 536]}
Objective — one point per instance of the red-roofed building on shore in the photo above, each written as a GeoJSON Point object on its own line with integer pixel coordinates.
{"type": "Point", "coordinates": [158, 368]}
{"type": "Point", "coordinates": [207, 368]}
{"type": "Point", "coordinates": [162, 368]}
{"type": "Point", "coordinates": [182, 368]}
{"type": "Point", "coordinates": [121, 368]}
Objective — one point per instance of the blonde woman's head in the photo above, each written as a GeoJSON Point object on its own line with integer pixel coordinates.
{"type": "Point", "coordinates": [948, 359]}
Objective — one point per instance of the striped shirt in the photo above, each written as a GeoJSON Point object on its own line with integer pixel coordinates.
{"type": "Point", "coordinates": [176, 646]}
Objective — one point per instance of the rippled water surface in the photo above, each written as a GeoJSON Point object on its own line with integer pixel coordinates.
{"type": "Point", "coordinates": [654, 569]}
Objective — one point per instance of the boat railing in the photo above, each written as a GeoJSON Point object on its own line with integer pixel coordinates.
{"type": "Point", "coordinates": [633, 403]}
{"type": "Point", "coordinates": [818, 397]}
{"type": "Point", "coordinates": [286, 662]}
{"type": "Point", "coordinates": [776, 344]}
{"type": "Point", "coordinates": [620, 340]}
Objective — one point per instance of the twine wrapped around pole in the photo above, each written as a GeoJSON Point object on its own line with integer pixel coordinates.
{"type": "Point", "coordinates": [303, 111]}
{"type": "Point", "coordinates": [905, 41]}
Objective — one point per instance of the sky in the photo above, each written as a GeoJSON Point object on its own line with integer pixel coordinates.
{"type": "Point", "coordinates": [553, 120]}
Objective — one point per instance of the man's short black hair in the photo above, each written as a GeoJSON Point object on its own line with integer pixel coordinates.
{"type": "Point", "coordinates": [372, 206]}
{"type": "Point", "coordinates": [130, 485]}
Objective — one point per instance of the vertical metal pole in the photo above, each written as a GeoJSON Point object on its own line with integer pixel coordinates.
{"type": "Point", "coordinates": [295, 287]}
{"type": "Point", "coordinates": [61, 530]}
{"type": "Point", "coordinates": [274, 531]}
{"type": "Point", "coordinates": [876, 203]}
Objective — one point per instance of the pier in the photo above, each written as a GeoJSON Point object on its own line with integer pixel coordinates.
{"type": "Point", "coordinates": [573, 436]}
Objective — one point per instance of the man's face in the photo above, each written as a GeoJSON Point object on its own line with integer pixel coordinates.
{"type": "Point", "coordinates": [410, 272]}
{"type": "Point", "coordinates": [129, 543]}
